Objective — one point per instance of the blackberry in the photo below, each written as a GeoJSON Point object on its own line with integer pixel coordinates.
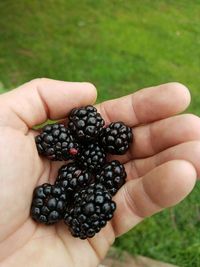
{"type": "Point", "coordinates": [112, 176]}
{"type": "Point", "coordinates": [93, 207]}
{"type": "Point", "coordinates": [85, 123]}
{"type": "Point", "coordinates": [92, 157]}
{"type": "Point", "coordinates": [116, 138]}
{"type": "Point", "coordinates": [72, 178]}
{"type": "Point", "coordinates": [48, 204]}
{"type": "Point", "coordinates": [56, 142]}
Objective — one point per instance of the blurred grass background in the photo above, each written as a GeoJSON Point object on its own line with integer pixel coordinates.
{"type": "Point", "coordinates": [120, 46]}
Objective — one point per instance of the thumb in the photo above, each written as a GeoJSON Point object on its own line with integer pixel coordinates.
{"type": "Point", "coordinates": [41, 99]}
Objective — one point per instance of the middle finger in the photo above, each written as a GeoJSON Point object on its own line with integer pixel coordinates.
{"type": "Point", "coordinates": [155, 137]}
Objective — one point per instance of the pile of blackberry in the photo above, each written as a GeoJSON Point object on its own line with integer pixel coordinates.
{"type": "Point", "coordinates": [84, 187]}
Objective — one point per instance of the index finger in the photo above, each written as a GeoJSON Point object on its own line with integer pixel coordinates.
{"type": "Point", "coordinates": [147, 105]}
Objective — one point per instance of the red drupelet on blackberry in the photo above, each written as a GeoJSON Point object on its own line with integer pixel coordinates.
{"type": "Point", "coordinates": [56, 143]}
{"type": "Point", "coordinates": [112, 176]}
{"type": "Point", "coordinates": [48, 204]}
{"type": "Point", "coordinates": [93, 208]}
{"type": "Point", "coordinates": [85, 123]}
{"type": "Point", "coordinates": [116, 137]}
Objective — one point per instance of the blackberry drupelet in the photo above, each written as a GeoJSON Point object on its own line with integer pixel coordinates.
{"type": "Point", "coordinates": [93, 207]}
{"type": "Point", "coordinates": [73, 178]}
{"type": "Point", "coordinates": [56, 142]}
{"type": "Point", "coordinates": [116, 138]}
{"type": "Point", "coordinates": [85, 123]}
{"type": "Point", "coordinates": [112, 176]}
{"type": "Point", "coordinates": [92, 157]}
{"type": "Point", "coordinates": [48, 204]}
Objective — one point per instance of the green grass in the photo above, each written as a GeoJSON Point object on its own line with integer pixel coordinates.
{"type": "Point", "coordinates": [120, 46]}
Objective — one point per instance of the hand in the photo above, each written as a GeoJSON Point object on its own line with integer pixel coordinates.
{"type": "Point", "coordinates": [162, 167]}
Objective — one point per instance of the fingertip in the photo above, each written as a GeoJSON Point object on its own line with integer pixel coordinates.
{"type": "Point", "coordinates": [89, 85]}
{"type": "Point", "coordinates": [91, 90]}
{"type": "Point", "coordinates": [180, 90]}
{"type": "Point", "coordinates": [187, 180]}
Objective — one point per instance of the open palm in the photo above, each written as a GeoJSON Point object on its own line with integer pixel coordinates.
{"type": "Point", "coordinates": [162, 167]}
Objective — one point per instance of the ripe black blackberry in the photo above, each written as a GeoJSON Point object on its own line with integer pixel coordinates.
{"type": "Point", "coordinates": [112, 176]}
{"type": "Point", "coordinates": [116, 138]}
{"type": "Point", "coordinates": [85, 123]}
{"type": "Point", "coordinates": [92, 157]}
{"type": "Point", "coordinates": [48, 204]}
{"type": "Point", "coordinates": [72, 178]}
{"type": "Point", "coordinates": [56, 142]}
{"type": "Point", "coordinates": [93, 207]}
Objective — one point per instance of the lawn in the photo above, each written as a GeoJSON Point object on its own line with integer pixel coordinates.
{"type": "Point", "coordinates": [120, 46]}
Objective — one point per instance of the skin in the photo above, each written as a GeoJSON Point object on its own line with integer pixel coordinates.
{"type": "Point", "coordinates": [162, 166]}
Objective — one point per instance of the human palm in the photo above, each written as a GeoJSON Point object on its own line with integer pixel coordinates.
{"type": "Point", "coordinates": [162, 167]}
